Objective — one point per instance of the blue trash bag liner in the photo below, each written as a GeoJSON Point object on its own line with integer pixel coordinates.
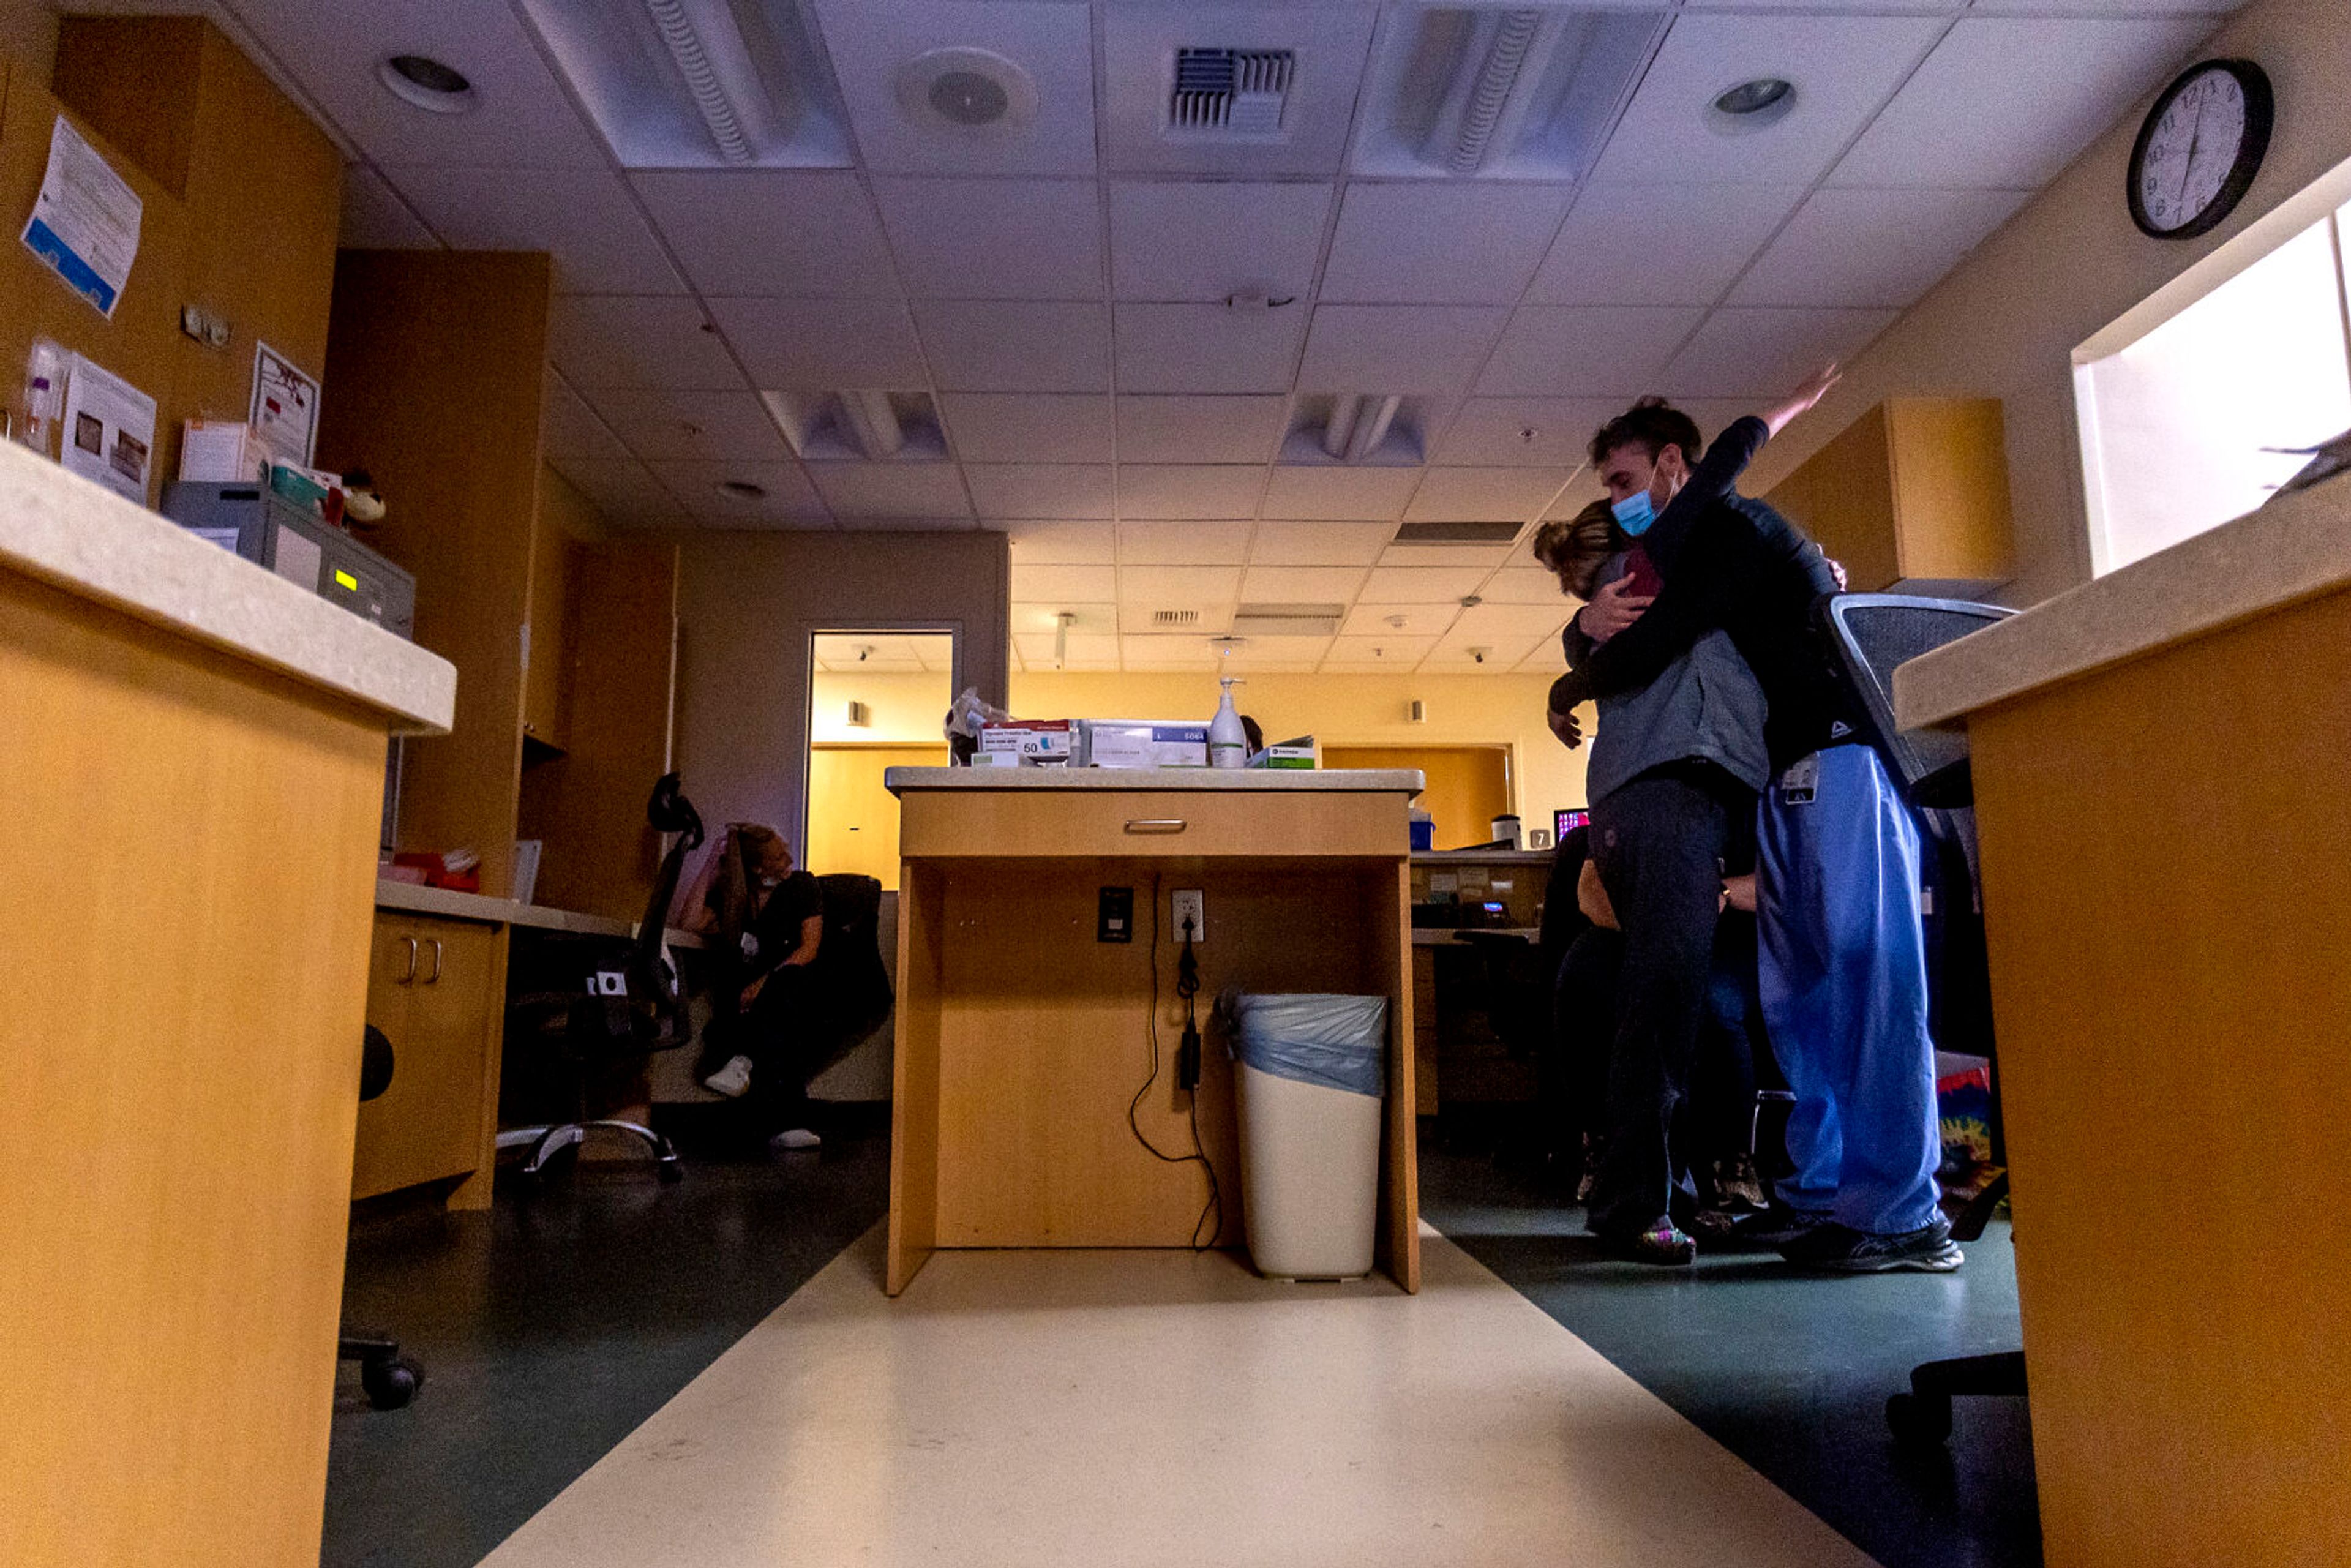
{"type": "Point", "coordinates": [1339, 1042]}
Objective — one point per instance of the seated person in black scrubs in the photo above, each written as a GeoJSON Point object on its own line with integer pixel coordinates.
{"type": "Point", "coordinates": [768, 922]}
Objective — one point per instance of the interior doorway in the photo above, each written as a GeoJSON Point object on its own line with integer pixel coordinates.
{"type": "Point", "coordinates": [877, 700]}
{"type": "Point", "coordinates": [1468, 786]}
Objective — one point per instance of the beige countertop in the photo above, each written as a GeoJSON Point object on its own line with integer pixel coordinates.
{"type": "Point", "coordinates": [87, 540]}
{"type": "Point", "coordinates": [2293, 550]}
{"type": "Point", "coordinates": [1270, 779]}
{"type": "Point", "coordinates": [414, 898]}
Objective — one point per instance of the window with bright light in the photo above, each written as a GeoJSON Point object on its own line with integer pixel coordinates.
{"type": "Point", "coordinates": [2181, 430]}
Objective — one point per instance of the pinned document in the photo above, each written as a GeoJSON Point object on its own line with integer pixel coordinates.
{"type": "Point", "coordinates": [85, 221]}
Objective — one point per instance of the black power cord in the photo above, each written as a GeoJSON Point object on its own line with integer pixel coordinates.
{"type": "Point", "coordinates": [1187, 1074]}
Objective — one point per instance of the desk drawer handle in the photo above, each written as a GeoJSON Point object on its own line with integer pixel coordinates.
{"type": "Point", "coordinates": [410, 972]}
{"type": "Point", "coordinates": [1154, 825]}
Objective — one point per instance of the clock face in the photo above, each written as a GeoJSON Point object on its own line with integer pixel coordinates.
{"type": "Point", "coordinates": [2200, 148]}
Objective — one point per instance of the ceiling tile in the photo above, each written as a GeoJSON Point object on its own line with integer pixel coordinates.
{"type": "Point", "coordinates": [1579, 350]}
{"type": "Point", "coordinates": [1421, 584]}
{"type": "Point", "coordinates": [789, 500]}
{"type": "Point", "coordinates": [1093, 619]}
{"type": "Point", "coordinates": [764, 231]}
{"type": "Point", "coordinates": [1506, 623]}
{"type": "Point", "coordinates": [573, 430]}
{"type": "Point", "coordinates": [1199, 429]}
{"type": "Point", "coordinates": [881, 523]}
{"type": "Point", "coordinates": [1861, 246]}
{"type": "Point", "coordinates": [1368, 619]}
{"type": "Point", "coordinates": [1549, 658]}
{"type": "Point", "coordinates": [828, 344]}
{"type": "Point", "coordinates": [1659, 245]}
{"type": "Point", "coordinates": [1301, 584]}
{"type": "Point", "coordinates": [1259, 652]}
{"type": "Point", "coordinates": [1224, 543]}
{"type": "Point", "coordinates": [1842, 66]}
{"type": "Point", "coordinates": [1207, 348]}
{"type": "Point", "coordinates": [1423, 241]}
{"type": "Point", "coordinates": [1177, 587]}
{"type": "Point", "coordinates": [2009, 101]}
{"type": "Point", "coordinates": [907, 490]}
{"type": "Point", "coordinates": [1473, 652]}
{"type": "Point", "coordinates": [1187, 490]}
{"type": "Point", "coordinates": [1061, 544]}
{"type": "Point", "coordinates": [1162, 652]}
{"type": "Point", "coordinates": [1319, 543]}
{"type": "Point", "coordinates": [1208, 241]}
{"type": "Point", "coordinates": [1339, 492]}
{"type": "Point", "coordinates": [1764, 352]}
{"type": "Point", "coordinates": [1052, 44]}
{"type": "Point", "coordinates": [1481, 495]}
{"type": "Point", "coordinates": [1057, 584]}
{"type": "Point", "coordinates": [637, 340]}
{"type": "Point", "coordinates": [376, 218]}
{"type": "Point", "coordinates": [1328, 43]}
{"type": "Point", "coordinates": [994, 239]}
{"type": "Point", "coordinates": [1585, 488]}
{"type": "Point", "coordinates": [994, 346]}
{"type": "Point", "coordinates": [1087, 650]}
{"type": "Point", "coordinates": [624, 492]}
{"type": "Point", "coordinates": [1042, 490]}
{"type": "Point", "coordinates": [1523, 585]}
{"type": "Point", "coordinates": [521, 119]}
{"type": "Point", "coordinates": [1435, 350]}
{"type": "Point", "coordinates": [667, 423]}
{"type": "Point", "coordinates": [1012, 427]}
{"type": "Point", "coordinates": [1358, 655]}
{"type": "Point", "coordinates": [582, 217]}
{"type": "Point", "coordinates": [1489, 557]}
{"type": "Point", "coordinates": [1531, 431]}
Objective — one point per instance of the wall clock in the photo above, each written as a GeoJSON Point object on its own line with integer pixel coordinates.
{"type": "Point", "coordinates": [2198, 152]}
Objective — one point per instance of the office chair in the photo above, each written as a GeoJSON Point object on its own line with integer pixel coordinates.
{"type": "Point", "coordinates": [1868, 634]}
{"type": "Point", "coordinates": [594, 1027]}
{"type": "Point", "coordinates": [390, 1379]}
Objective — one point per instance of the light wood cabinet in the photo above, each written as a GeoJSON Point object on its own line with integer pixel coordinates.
{"type": "Point", "coordinates": [1914, 491]}
{"type": "Point", "coordinates": [546, 679]}
{"type": "Point", "coordinates": [436, 988]}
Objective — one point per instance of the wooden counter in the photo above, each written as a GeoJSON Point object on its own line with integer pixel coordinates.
{"type": "Point", "coordinates": [1022, 1039]}
{"type": "Point", "coordinates": [190, 798]}
{"type": "Point", "coordinates": [2162, 759]}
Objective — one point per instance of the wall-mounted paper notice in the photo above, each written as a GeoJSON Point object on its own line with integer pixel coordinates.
{"type": "Point", "coordinates": [109, 429]}
{"type": "Point", "coordinates": [85, 221]}
{"type": "Point", "coordinates": [284, 412]}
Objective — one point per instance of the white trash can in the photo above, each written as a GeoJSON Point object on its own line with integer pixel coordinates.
{"type": "Point", "coordinates": [1312, 1073]}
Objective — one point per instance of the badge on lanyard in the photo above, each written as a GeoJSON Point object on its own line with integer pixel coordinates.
{"type": "Point", "coordinates": [1800, 782]}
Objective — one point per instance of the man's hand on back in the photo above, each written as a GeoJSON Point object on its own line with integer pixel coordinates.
{"type": "Point", "coordinates": [1564, 725]}
{"type": "Point", "coordinates": [1613, 609]}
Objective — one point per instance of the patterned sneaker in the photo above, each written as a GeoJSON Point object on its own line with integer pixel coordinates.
{"type": "Point", "coordinates": [1662, 1243]}
{"type": "Point", "coordinates": [1928, 1250]}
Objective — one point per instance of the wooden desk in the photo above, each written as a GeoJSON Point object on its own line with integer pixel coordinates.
{"type": "Point", "coordinates": [1021, 1039]}
{"type": "Point", "coordinates": [190, 798]}
{"type": "Point", "coordinates": [2162, 759]}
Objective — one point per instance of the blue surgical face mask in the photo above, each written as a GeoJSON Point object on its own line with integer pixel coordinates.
{"type": "Point", "coordinates": [1635, 513]}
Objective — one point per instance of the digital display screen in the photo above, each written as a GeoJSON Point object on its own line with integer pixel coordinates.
{"type": "Point", "coordinates": [1565, 822]}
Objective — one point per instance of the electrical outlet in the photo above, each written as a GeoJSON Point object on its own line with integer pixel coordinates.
{"type": "Point", "coordinates": [1186, 902]}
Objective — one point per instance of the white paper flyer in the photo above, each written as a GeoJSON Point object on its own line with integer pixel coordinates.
{"type": "Point", "coordinates": [85, 221]}
{"type": "Point", "coordinates": [110, 430]}
{"type": "Point", "coordinates": [284, 412]}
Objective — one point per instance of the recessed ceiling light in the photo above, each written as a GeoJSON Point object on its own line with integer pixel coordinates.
{"type": "Point", "coordinates": [967, 92]}
{"type": "Point", "coordinates": [742, 489]}
{"type": "Point", "coordinates": [427, 83]}
{"type": "Point", "coordinates": [1752, 105]}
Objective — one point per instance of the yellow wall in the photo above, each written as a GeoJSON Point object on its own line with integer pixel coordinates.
{"type": "Point", "coordinates": [2005, 323]}
{"type": "Point", "coordinates": [852, 819]}
{"type": "Point", "coordinates": [904, 707]}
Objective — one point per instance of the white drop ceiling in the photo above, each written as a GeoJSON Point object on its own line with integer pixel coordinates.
{"type": "Point", "coordinates": [1120, 332]}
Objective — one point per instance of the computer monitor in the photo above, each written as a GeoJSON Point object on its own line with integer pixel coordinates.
{"type": "Point", "coordinates": [1564, 822]}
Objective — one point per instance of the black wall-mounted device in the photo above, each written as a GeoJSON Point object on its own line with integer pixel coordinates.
{"type": "Point", "coordinates": [1114, 916]}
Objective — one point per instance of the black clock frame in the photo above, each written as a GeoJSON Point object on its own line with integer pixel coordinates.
{"type": "Point", "coordinates": [2261, 107]}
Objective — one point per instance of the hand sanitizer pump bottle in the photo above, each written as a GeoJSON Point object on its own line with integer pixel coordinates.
{"type": "Point", "coordinates": [1227, 741]}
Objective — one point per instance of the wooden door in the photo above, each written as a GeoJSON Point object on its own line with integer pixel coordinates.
{"type": "Point", "coordinates": [1468, 786]}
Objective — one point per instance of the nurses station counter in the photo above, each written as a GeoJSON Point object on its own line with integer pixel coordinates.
{"type": "Point", "coordinates": [1022, 1037]}
{"type": "Point", "coordinates": [2162, 764]}
{"type": "Point", "coordinates": [192, 759]}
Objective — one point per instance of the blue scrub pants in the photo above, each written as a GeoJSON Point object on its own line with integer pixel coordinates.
{"type": "Point", "coordinates": [1843, 980]}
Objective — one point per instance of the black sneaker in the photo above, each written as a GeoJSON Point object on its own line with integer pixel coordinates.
{"type": "Point", "coordinates": [1928, 1250]}
{"type": "Point", "coordinates": [1775, 1228]}
{"type": "Point", "coordinates": [1664, 1244]}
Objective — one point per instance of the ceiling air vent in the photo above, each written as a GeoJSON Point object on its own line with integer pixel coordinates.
{"type": "Point", "coordinates": [1456, 534]}
{"type": "Point", "coordinates": [1288, 619]}
{"type": "Point", "coordinates": [1175, 617]}
{"type": "Point", "coordinates": [1230, 93]}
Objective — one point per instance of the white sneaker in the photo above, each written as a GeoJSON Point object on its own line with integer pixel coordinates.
{"type": "Point", "coordinates": [734, 1080]}
{"type": "Point", "coordinates": [796, 1138]}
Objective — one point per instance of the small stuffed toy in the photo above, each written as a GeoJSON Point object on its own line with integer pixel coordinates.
{"type": "Point", "coordinates": [362, 507]}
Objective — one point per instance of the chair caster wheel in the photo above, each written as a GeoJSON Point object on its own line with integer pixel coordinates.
{"type": "Point", "coordinates": [390, 1384]}
{"type": "Point", "coordinates": [670, 1172]}
{"type": "Point", "coordinates": [1918, 1422]}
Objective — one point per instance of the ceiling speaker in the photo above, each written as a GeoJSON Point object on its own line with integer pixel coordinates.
{"type": "Point", "coordinates": [967, 92]}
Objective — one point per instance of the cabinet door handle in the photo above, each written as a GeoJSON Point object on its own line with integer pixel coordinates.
{"type": "Point", "coordinates": [1154, 825]}
{"type": "Point", "coordinates": [434, 978]}
{"type": "Point", "coordinates": [410, 973]}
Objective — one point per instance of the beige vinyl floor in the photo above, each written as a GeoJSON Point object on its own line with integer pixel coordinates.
{"type": "Point", "coordinates": [1157, 1407]}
